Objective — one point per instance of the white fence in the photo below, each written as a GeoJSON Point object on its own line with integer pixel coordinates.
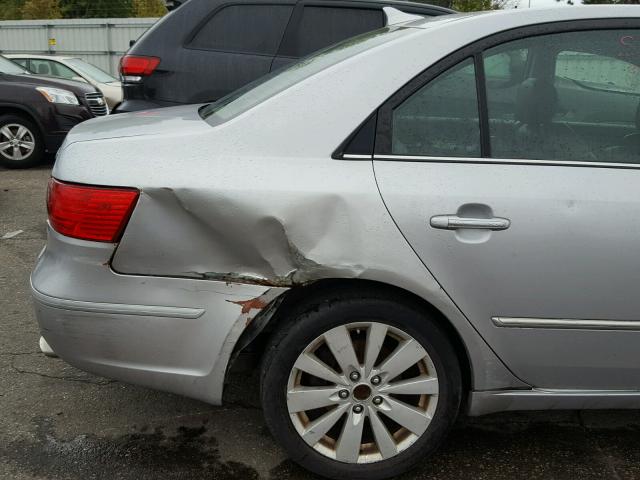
{"type": "Point", "coordinates": [101, 41]}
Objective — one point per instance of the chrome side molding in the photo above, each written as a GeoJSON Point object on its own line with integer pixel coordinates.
{"type": "Point", "coordinates": [561, 323]}
{"type": "Point", "coordinates": [483, 403]}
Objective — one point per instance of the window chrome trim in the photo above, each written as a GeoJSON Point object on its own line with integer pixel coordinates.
{"type": "Point", "coordinates": [505, 161]}
{"type": "Point", "coordinates": [354, 156]}
{"type": "Point", "coordinates": [565, 324]}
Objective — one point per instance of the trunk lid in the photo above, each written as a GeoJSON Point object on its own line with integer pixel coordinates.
{"type": "Point", "coordinates": [163, 121]}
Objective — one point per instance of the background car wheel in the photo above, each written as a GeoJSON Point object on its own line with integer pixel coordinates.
{"type": "Point", "coordinates": [21, 145]}
{"type": "Point", "coordinates": [360, 388]}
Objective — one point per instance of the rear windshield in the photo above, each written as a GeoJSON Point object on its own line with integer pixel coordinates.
{"type": "Point", "coordinates": [265, 87]}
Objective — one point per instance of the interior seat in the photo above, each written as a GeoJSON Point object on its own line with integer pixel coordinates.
{"type": "Point", "coordinates": [43, 69]}
{"type": "Point", "coordinates": [539, 136]}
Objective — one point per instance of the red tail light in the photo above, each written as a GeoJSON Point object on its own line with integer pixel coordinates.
{"type": "Point", "coordinates": [131, 65]}
{"type": "Point", "coordinates": [90, 213]}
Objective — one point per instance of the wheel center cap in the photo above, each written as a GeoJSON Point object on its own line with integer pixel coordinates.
{"type": "Point", "coordinates": [13, 142]}
{"type": "Point", "coordinates": [362, 392]}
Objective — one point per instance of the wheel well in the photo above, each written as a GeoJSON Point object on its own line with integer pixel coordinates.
{"type": "Point", "coordinates": [21, 113]}
{"type": "Point", "coordinates": [304, 297]}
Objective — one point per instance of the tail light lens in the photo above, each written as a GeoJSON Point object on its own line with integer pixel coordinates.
{"type": "Point", "coordinates": [90, 213]}
{"type": "Point", "coordinates": [133, 68]}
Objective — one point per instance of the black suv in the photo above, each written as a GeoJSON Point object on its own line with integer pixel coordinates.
{"type": "Point", "coordinates": [205, 49]}
{"type": "Point", "coordinates": [37, 112]}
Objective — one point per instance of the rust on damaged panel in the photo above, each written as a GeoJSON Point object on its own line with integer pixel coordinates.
{"type": "Point", "coordinates": [253, 304]}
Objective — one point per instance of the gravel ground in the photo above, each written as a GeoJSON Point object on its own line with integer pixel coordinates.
{"type": "Point", "coordinates": [57, 422]}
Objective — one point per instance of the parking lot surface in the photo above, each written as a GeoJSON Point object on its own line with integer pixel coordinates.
{"type": "Point", "coordinates": [57, 422]}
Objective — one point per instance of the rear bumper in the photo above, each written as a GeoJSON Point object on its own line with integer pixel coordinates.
{"type": "Point", "coordinates": [170, 334]}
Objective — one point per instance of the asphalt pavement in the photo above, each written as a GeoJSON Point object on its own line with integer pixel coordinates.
{"type": "Point", "coordinates": [57, 422]}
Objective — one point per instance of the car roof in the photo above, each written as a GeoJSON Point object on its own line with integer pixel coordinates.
{"type": "Point", "coordinates": [42, 56]}
{"type": "Point", "coordinates": [513, 18]}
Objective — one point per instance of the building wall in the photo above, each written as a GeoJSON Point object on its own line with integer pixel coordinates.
{"type": "Point", "coordinates": [101, 41]}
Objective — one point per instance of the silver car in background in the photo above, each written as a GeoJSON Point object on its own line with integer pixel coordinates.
{"type": "Point", "coordinates": [72, 68]}
{"type": "Point", "coordinates": [435, 217]}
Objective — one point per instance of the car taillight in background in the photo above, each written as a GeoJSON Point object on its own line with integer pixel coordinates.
{"type": "Point", "coordinates": [133, 68]}
{"type": "Point", "coordinates": [90, 213]}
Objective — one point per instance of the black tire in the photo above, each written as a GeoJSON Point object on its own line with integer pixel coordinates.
{"type": "Point", "coordinates": [304, 326]}
{"type": "Point", "coordinates": [36, 155]}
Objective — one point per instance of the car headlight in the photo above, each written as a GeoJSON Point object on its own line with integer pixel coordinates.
{"type": "Point", "coordinates": [57, 95]}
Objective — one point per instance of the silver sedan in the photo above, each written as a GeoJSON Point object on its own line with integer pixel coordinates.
{"type": "Point", "coordinates": [438, 217]}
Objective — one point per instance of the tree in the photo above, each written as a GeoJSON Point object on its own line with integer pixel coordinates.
{"type": "Point", "coordinates": [600, 2]}
{"type": "Point", "coordinates": [37, 9]}
{"type": "Point", "coordinates": [148, 8]}
{"type": "Point", "coordinates": [11, 9]}
{"type": "Point", "coordinates": [96, 8]}
{"type": "Point", "coordinates": [468, 5]}
{"type": "Point", "coordinates": [612, 2]}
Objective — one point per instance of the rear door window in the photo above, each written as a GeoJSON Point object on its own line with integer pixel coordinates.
{"type": "Point", "coordinates": [571, 96]}
{"type": "Point", "coordinates": [253, 29]}
{"type": "Point", "coordinates": [41, 67]}
{"type": "Point", "coordinates": [441, 119]}
{"type": "Point", "coordinates": [323, 26]}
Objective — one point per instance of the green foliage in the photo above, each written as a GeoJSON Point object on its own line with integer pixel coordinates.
{"type": "Point", "coordinates": [471, 5]}
{"type": "Point", "coordinates": [49, 9]}
{"type": "Point", "coordinates": [96, 8]}
{"type": "Point", "coordinates": [37, 9]}
{"type": "Point", "coordinates": [148, 8]}
{"type": "Point", "coordinates": [11, 9]}
{"type": "Point", "coordinates": [612, 2]}
{"type": "Point", "coordinates": [467, 5]}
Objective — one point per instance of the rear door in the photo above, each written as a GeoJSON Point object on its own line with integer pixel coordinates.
{"type": "Point", "coordinates": [235, 45]}
{"type": "Point", "coordinates": [521, 196]}
{"type": "Point", "coordinates": [315, 26]}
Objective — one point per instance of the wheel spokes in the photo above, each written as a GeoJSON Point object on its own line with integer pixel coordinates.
{"type": "Point", "coordinates": [405, 356]}
{"type": "Point", "coordinates": [423, 385]}
{"type": "Point", "coordinates": [319, 427]}
{"type": "Point", "coordinates": [335, 385]}
{"type": "Point", "coordinates": [22, 131]}
{"type": "Point", "coordinates": [339, 342]}
{"type": "Point", "coordinates": [19, 143]}
{"type": "Point", "coordinates": [348, 444]}
{"type": "Point", "coordinates": [7, 133]}
{"type": "Point", "coordinates": [375, 338]}
{"type": "Point", "coordinates": [17, 153]}
{"type": "Point", "coordinates": [309, 398]}
{"type": "Point", "coordinates": [411, 418]}
{"type": "Point", "coordinates": [384, 440]}
{"type": "Point", "coordinates": [309, 363]}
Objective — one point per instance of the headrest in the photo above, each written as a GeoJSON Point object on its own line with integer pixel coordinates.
{"type": "Point", "coordinates": [536, 102]}
{"type": "Point", "coordinates": [43, 69]}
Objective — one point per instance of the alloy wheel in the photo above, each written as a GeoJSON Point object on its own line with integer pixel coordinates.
{"type": "Point", "coordinates": [17, 142]}
{"type": "Point", "coordinates": [362, 392]}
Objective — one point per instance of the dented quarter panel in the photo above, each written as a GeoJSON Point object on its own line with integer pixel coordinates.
{"type": "Point", "coordinates": [90, 329]}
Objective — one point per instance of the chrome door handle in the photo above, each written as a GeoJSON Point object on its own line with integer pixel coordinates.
{"type": "Point", "coordinates": [453, 222]}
